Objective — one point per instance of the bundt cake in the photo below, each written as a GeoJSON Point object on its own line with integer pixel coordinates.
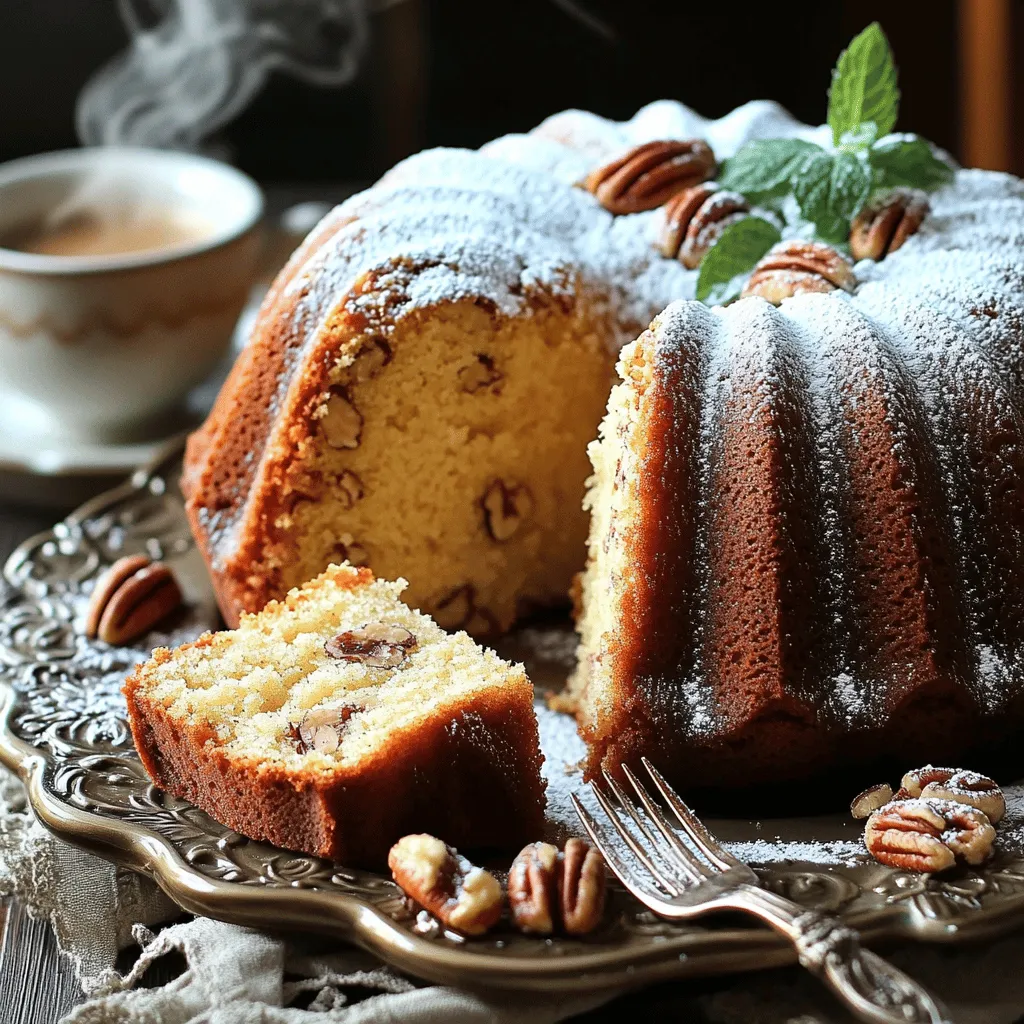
{"type": "Point", "coordinates": [807, 545]}
{"type": "Point", "coordinates": [808, 522]}
{"type": "Point", "coordinates": [338, 720]}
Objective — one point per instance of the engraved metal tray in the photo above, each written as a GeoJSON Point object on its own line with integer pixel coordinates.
{"type": "Point", "coordinates": [63, 730]}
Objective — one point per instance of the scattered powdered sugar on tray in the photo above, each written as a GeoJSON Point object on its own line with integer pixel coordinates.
{"type": "Point", "coordinates": [564, 751]}
{"type": "Point", "coordinates": [828, 852]}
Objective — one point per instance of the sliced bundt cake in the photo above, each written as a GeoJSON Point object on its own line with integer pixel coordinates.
{"type": "Point", "coordinates": [807, 542]}
{"type": "Point", "coordinates": [807, 531]}
{"type": "Point", "coordinates": [337, 720]}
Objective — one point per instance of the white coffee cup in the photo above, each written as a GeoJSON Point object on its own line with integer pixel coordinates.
{"type": "Point", "coordinates": [94, 347]}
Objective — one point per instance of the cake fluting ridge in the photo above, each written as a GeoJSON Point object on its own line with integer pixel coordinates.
{"type": "Point", "coordinates": [811, 520]}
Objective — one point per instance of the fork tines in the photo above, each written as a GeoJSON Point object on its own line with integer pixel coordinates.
{"type": "Point", "coordinates": [672, 863]}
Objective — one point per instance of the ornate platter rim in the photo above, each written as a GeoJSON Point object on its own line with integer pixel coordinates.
{"type": "Point", "coordinates": [208, 870]}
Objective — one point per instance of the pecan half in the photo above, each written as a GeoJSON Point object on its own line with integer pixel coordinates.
{"type": "Point", "coordinates": [696, 218]}
{"type": "Point", "coordinates": [480, 374]}
{"type": "Point", "coordinates": [321, 728]}
{"type": "Point", "coordinates": [650, 175]}
{"type": "Point", "coordinates": [928, 835]}
{"type": "Point", "coordinates": [461, 896]}
{"type": "Point", "coordinates": [958, 784]}
{"type": "Point", "coordinates": [886, 222]}
{"type": "Point", "coordinates": [582, 888]}
{"type": "Point", "coordinates": [533, 889]}
{"type": "Point", "coordinates": [797, 266]}
{"type": "Point", "coordinates": [865, 804]}
{"type": "Point", "coordinates": [376, 645]}
{"type": "Point", "coordinates": [130, 598]}
{"type": "Point", "coordinates": [341, 423]}
{"type": "Point", "coordinates": [505, 509]}
{"type": "Point", "coordinates": [550, 891]}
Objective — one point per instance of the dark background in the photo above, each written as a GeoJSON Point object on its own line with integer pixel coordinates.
{"type": "Point", "coordinates": [459, 72]}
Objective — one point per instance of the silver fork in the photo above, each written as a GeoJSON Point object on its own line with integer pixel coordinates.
{"type": "Point", "coordinates": [679, 882]}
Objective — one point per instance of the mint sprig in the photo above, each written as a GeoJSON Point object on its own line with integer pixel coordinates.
{"type": "Point", "coordinates": [864, 90]}
{"type": "Point", "coordinates": [830, 189]}
{"type": "Point", "coordinates": [725, 265]}
{"type": "Point", "coordinates": [831, 186]}
{"type": "Point", "coordinates": [765, 167]}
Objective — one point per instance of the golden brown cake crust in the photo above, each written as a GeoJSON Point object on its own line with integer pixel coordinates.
{"type": "Point", "coordinates": [224, 457]}
{"type": "Point", "coordinates": [449, 778]}
{"type": "Point", "coordinates": [752, 611]}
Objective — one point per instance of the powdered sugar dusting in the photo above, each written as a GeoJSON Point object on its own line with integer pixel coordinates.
{"type": "Point", "coordinates": [504, 222]}
{"type": "Point", "coordinates": [934, 337]}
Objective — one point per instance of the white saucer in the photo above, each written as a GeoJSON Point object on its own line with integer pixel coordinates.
{"type": "Point", "coordinates": [43, 471]}
{"type": "Point", "coordinates": [42, 468]}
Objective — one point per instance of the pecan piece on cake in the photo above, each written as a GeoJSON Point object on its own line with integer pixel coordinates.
{"type": "Point", "coordinates": [130, 598]}
{"type": "Point", "coordinates": [651, 174]}
{"type": "Point", "coordinates": [435, 876]}
{"type": "Point", "coordinates": [886, 222]}
{"type": "Point", "coordinates": [695, 219]}
{"type": "Point", "coordinates": [797, 266]}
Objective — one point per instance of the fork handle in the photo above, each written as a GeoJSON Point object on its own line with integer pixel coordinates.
{"type": "Point", "coordinates": [871, 988]}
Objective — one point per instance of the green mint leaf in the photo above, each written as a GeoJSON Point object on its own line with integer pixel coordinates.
{"type": "Point", "coordinates": [830, 189]}
{"type": "Point", "coordinates": [764, 166]}
{"type": "Point", "coordinates": [860, 137]}
{"type": "Point", "coordinates": [733, 256]}
{"type": "Point", "coordinates": [908, 160]}
{"type": "Point", "coordinates": [864, 86]}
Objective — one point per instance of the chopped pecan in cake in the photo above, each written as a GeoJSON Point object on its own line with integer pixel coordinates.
{"type": "Point", "coordinates": [341, 423]}
{"type": "Point", "coordinates": [322, 728]}
{"type": "Point", "coordinates": [376, 645]}
{"type": "Point", "coordinates": [505, 507]}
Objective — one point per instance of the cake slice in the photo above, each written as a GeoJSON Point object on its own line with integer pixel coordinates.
{"type": "Point", "coordinates": [338, 720]}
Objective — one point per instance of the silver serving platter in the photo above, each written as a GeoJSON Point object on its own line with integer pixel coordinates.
{"type": "Point", "coordinates": [63, 729]}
